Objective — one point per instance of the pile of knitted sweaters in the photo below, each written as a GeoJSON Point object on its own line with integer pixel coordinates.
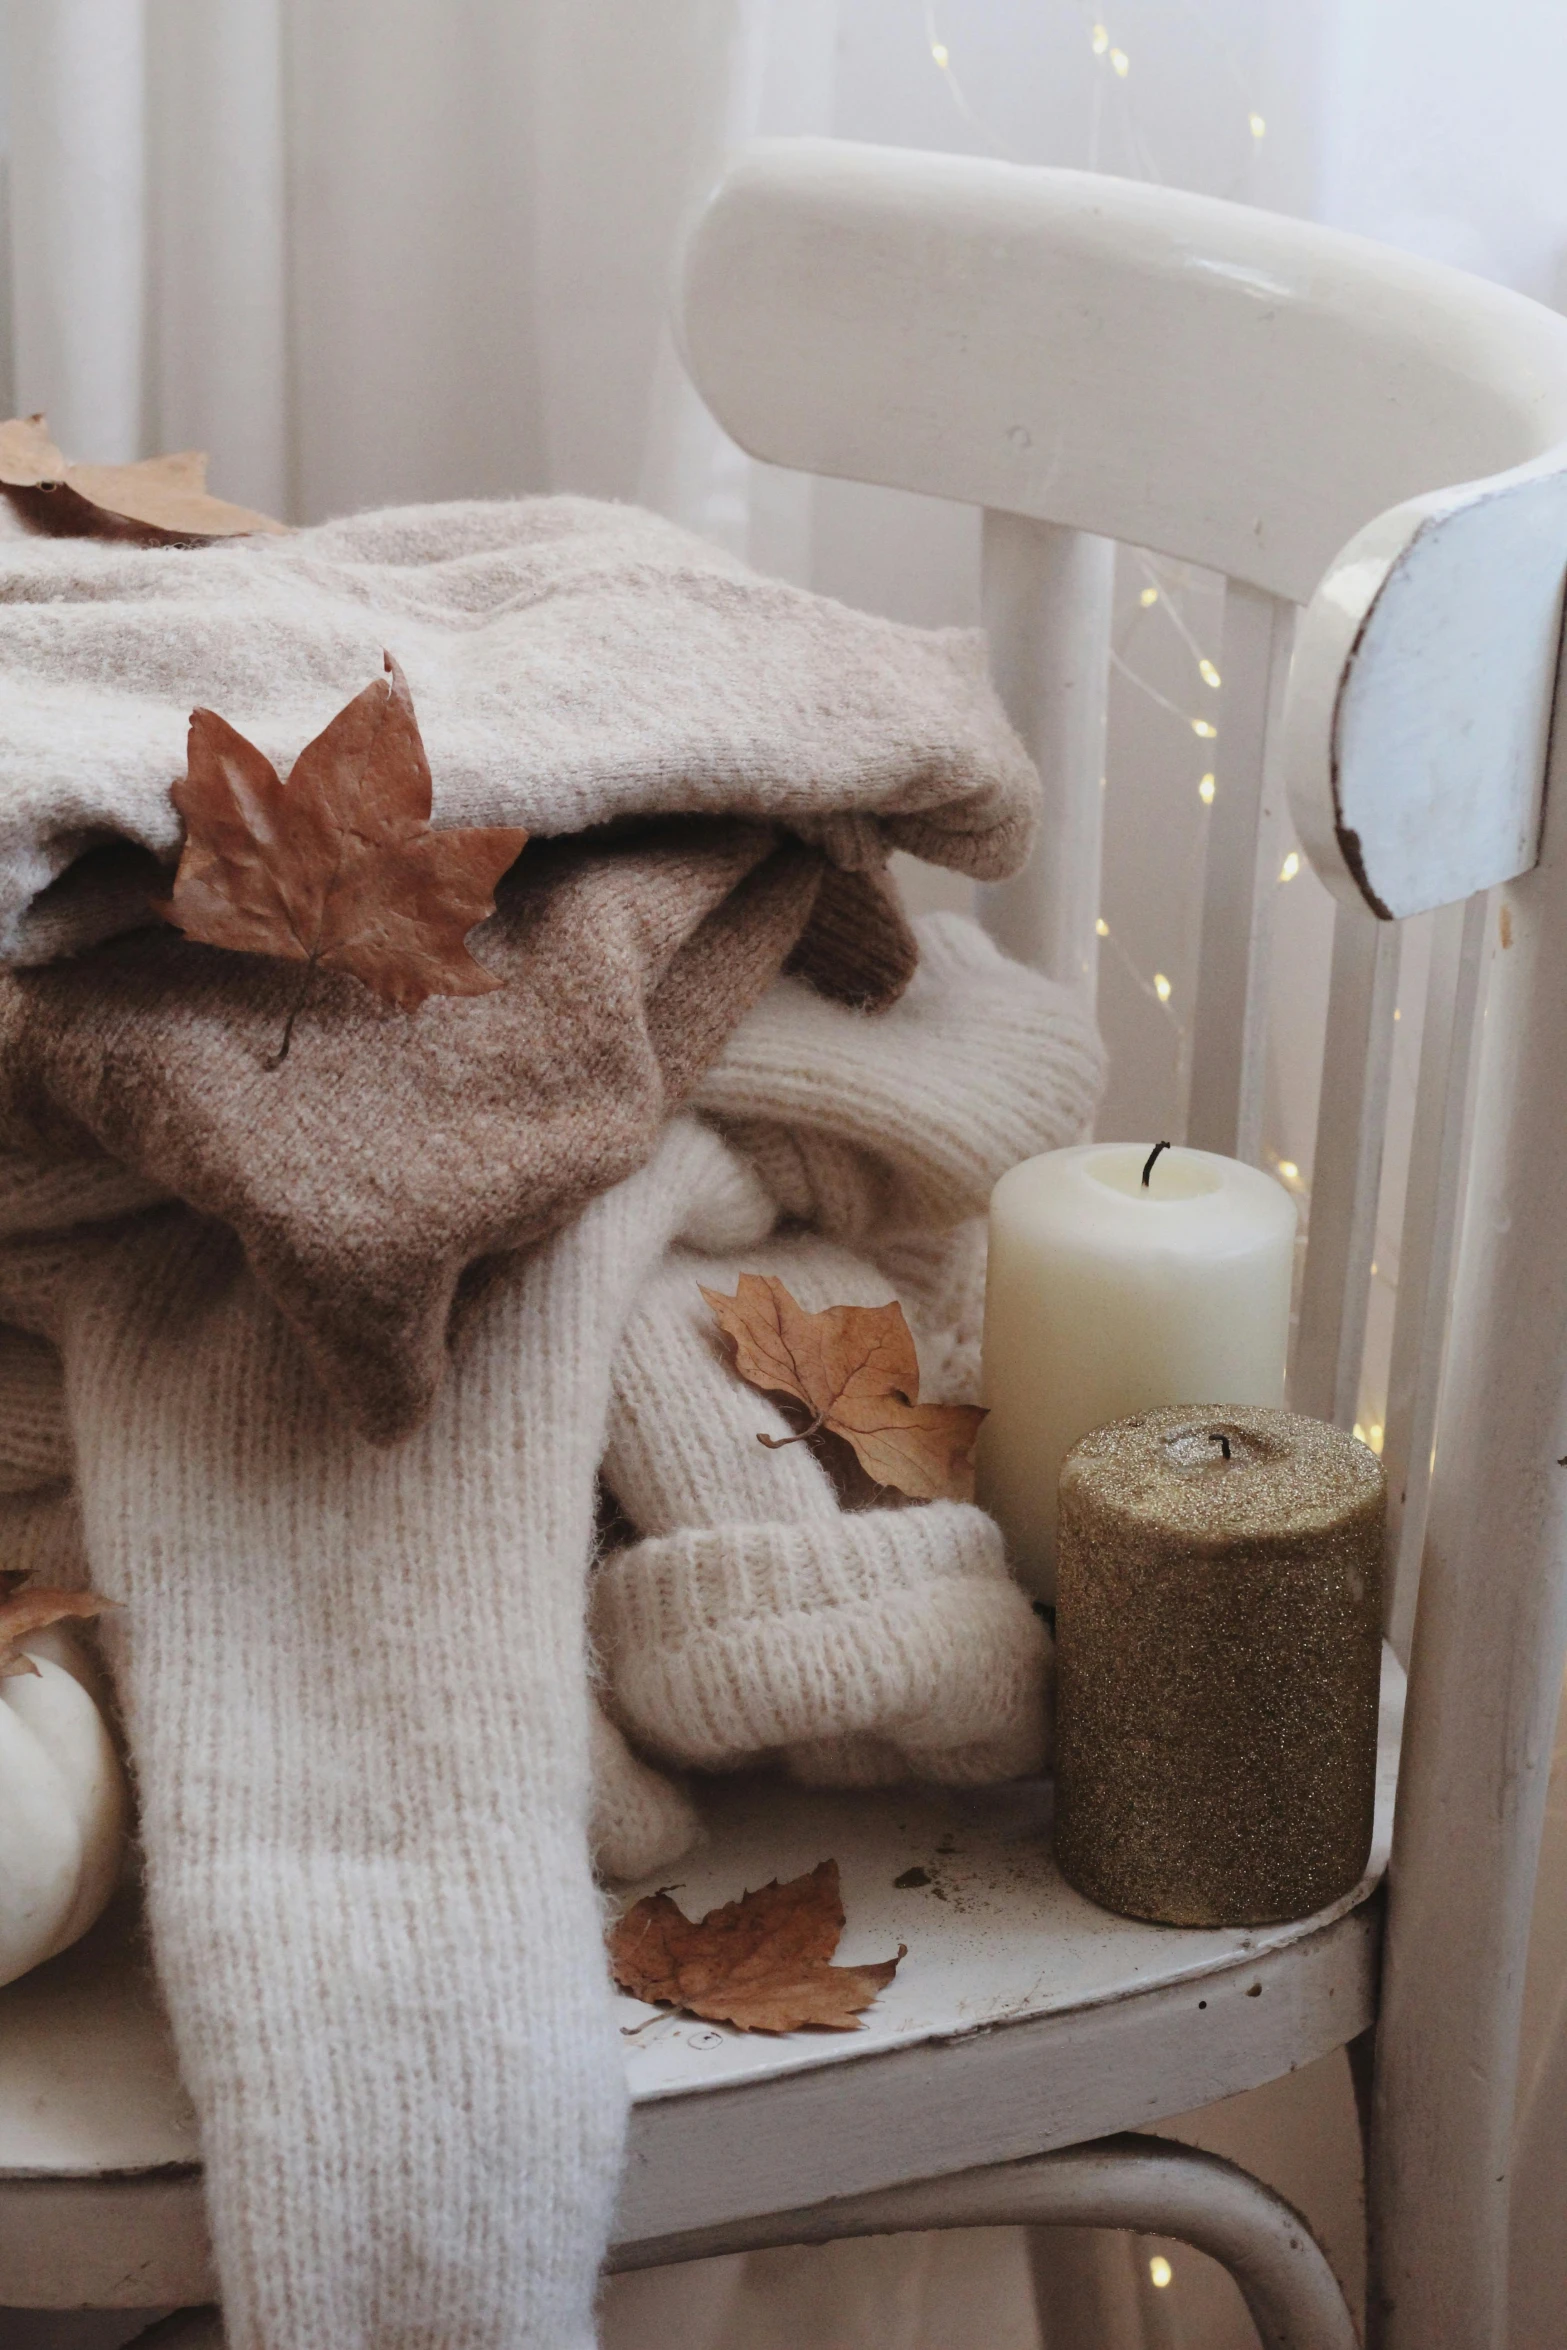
{"type": "Point", "coordinates": [376, 1390]}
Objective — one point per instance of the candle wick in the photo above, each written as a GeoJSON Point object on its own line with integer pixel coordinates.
{"type": "Point", "coordinates": [1223, 1443]}
{"type": "Point", "coordinates": [1152, 1155]}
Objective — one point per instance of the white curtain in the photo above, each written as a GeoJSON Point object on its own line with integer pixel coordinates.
{"type": "Point", "coordinates": [374, 250]}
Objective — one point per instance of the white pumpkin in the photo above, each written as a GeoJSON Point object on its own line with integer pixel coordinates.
{"type": "Point", "coordinates": [63, 1804]}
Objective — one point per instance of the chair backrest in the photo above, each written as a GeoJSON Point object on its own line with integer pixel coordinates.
{"type": "Point", "coordinates": [1373, 451]}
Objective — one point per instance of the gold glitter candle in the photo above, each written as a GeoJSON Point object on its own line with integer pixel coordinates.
{"type": "Point", "coordinates": [1218, 1642]}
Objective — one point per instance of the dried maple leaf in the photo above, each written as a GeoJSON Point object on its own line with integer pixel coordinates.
{"type": "Point", "coordinates": [760, 1963]}
{"type": "Point", "coordinates": [340, 868]}
{"type": "Point", "coordinates": [22, 1612]}
{"type": "Point", "coordinates": [159, 501]}
{"type": "Point", "coordinates": [855, 1370]}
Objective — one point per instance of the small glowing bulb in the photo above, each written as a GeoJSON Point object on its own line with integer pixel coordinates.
{"type": "Point", "coordinates": [1102, 928]}
{"type": "Point", "coordinates": [1289, 1170]}
{"type": "Point", "coordinates": [1374, 1436]}
{"type": "Point", "coordinates": [1161, 987]}
{"type": "Point", "coordinates": [1259, 128]}
{"type": "Point", "coordinates": [1159, 2270]}
{"type": "Point", "coordinates": [1101, 40]}
{"type": "Point", "coordinates": [1207, 672]}
{"type": "Point", "coordinates": [1397, 1013]}
{"type": "Point", "coordinates": [1206, 790]}
{"type": "Point", "coordinates": [1201, 726]}
{"type": "Point", "coordinates": [1290, 866]}
{"type": "Point", "coordinates": [1148, 596]}
{"type": "Point", "coordinates": [1373, 1269]}
{"type": "Point", "coordinates": [938, 50]}
{"type": "Point", "coordinates": [1121, 62]}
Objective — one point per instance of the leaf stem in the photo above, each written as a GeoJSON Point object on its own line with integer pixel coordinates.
{"type": "Point", "coordinates": [301, 993]}
{"type": "Point", "coordinates": [777, 1443]}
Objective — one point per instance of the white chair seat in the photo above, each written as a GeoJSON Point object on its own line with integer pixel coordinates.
{"type": "Point", "coordinates": [1022, 2018]}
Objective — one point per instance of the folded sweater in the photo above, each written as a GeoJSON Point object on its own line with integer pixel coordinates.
{"type": "Point", "coordinates": [572, 663]}
{"type": "Point", "coordinates": [573, 666]}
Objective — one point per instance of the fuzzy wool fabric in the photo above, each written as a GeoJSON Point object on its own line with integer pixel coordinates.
{"type": "Point", "coordinates": [903, 1122]}
{"type": "Point", "coordinates": [354, 1687]}
{"type": "Point", "coordinates": [757, 1616]}
{"type": "Point", "coordinates": [573, 666]}
{"type": "Point", "coordinates": [355, 1682]}
{"type": "Point", "coordinates": [572, 663]}
{"type": "Point", "coordinates": [389, 1154]}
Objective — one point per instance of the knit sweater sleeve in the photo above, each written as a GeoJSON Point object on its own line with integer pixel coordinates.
{"type": "Point", "coordinates": [862, 1124]}
{"type": "Point", "coordinates": [756, 1615]}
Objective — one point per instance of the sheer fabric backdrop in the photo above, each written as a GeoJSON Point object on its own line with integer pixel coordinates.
{"type": "Point", "coordinates": [421, 249]}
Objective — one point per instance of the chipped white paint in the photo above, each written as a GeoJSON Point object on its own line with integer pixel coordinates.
{"type": "Point", "coordinates": [1122, 2182]}
{"type": "Point", "coordinates": [725, 2122]}
{"type": "Point", "coordinates": [996, 1937]}
{"type": "Point", "coordinates": [1420, 708]}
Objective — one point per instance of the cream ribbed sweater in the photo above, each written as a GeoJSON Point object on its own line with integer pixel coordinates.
{"type": "Point", "coordinates": [354, 1691]}
{"type": "Point", "coordinates": [354, 1678]}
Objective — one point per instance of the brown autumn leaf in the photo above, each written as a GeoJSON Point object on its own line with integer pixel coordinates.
{"type": "Point", "coordinates": [339, 868]}
{"type": "Point", "coordinates": [33, 1610]}
{"type": "Point", "coordinates": [855, 1370]}
{"type": "Point", "coordinates": [761, 1963]}
{"type": "Point", "coordinates": [159, 501]}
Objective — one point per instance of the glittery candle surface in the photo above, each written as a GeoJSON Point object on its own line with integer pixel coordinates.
{"type": "Point", "coordinates": [1218, 1638]}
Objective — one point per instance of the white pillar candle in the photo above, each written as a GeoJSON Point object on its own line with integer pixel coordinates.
{"type": "Point", "coordinates": [1105, 1296]}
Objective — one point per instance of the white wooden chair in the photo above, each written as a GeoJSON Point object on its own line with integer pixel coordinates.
{"type": "Point", "coordinates": [1091, 361]}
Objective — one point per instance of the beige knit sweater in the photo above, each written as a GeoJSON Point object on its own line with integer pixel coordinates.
{"type": "Point", "coordinates": [573, 664]}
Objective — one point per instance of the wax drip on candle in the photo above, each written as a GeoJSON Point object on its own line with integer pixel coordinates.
{"type": "Point", "coordinates": [1149, 1162]}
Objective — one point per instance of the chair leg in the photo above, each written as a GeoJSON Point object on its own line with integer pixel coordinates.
{"type": "Point", "coordinates": [1140, 2183]}
{"type": "Point", "coordinates": [1084, 2290]}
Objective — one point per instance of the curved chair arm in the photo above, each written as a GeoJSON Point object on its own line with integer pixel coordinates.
{"type": "Point", "coordinates": [1146, 2184]}
{"type": "Point", "coordinates": [1419, 715]}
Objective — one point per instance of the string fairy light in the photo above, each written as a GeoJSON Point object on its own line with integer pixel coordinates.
{"type": "Point", "coordinates": [1155, 593]}
{"type": "Point", "coordinates": [941, 58]}
{"type": "Point", "coordinates": [1114, 62]}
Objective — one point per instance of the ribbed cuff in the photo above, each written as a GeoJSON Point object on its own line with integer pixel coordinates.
{"type": "Point", "coordinates": [727, 1642]}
